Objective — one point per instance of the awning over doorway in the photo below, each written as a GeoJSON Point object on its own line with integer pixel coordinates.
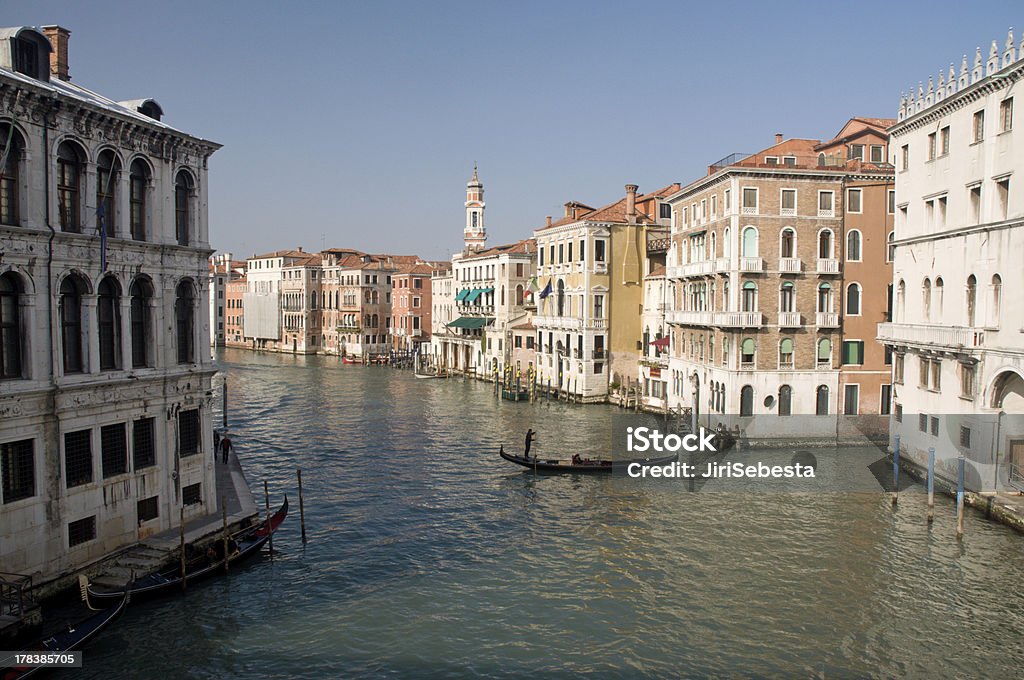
{"type": "Point", "coordinates": [470, 322]}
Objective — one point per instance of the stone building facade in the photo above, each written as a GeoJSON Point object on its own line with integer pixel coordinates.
{"type": "Point", "coordinates": [105, 413]}
{"type": "Point", "coordinates": [957, 335]}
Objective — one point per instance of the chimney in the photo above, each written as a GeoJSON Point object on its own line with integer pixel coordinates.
{"type": "Point", "coordinates": [549, 220]}
{"type": "Point", "coordinates": [568, 209]}
{"type": "Point", "coordinates": [778, 138]}
{"type": "Point", "coordinates": [631, 203]}
{"type": "Point", "coordinates": [58, 37]}
{"type": "Point", "coordinates": [299, 249]}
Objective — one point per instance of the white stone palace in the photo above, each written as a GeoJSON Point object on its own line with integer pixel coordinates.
{"type": "Point", "coordinates": [105, 371]}
{"type": "Point", "coordinates": [957, 334]}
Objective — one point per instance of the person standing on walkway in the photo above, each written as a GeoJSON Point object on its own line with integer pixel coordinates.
{"type": "Point", "coordinates": [225, 447]}
{"type": "Point", "coordinates": [530, 434]}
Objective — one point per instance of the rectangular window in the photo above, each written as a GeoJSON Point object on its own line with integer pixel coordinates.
{"type": "Point", "coordinates": [81, 531]}
{"type": "Point", "coordinates": [714, 206]}
{"type": "Point", "coordinates": [143, 443]}
{"type": "Point", "coordinates": [851, 400]}
{"type": "Point", "coordinates": [905, 156]}
{"type": "Point", "coordinates": [728, 199]}
{"type": "Point", "coordinates": [944, 141]}
{"type": "Point", "coordinates": [788, 202]}
{"type": "Point", "coordinates": [749, 201]}
{"type": "Point", "coordinates": [188, 432]}
{"type": "Point", "coordinates": [935, 426]}
{"type": "Point", "coordinates": [891, 205]}
{"type": "Point", "coordinates": [665, 211]}
{"type": "Point", "coordinates": [936, 366]}
{"type": "Point", "coordinates": [923, 370]}
{"type": "Point", "coordinates": [965, 437]}
{"type": "Point", "coordinates": [113, 450]}
{"type": "Point", "coordinates": [967, 380]}
{"type": "Point", "coordinates": [931, 146]}
{"type": "Point", "coordinates": [17, 467]}
{"type": "Point", "coordinates": [1006, 115]}
{"type": "Point", "coordinates": [853, 352]}
{"type": "Point", "coordinates": [979, 125]}
{"type": "Point", "coordinates": [192, 494]}
{"type": "Point", "coordinates": [148, 509]}
{"type": "Point", "coordinates": [529, 342]}
{"type": "Point", "coordinates": [898, 412]}
{"type": "Point", "coordinates": [825, 204]}
{"type": "Point", "coordinates": [877, 153]}
{"type": "Point", "coordinates": [857, 151]}
{"type": "Point", "coordinates": [771, 160]}
{"type": "Point", "coordinates": [922, 423]}
{"type": "Point", "coordinates": [885, 405]}
{"type": "Point", "coordinates": [599, 250]}
{"type": "Point", "coordinates": [975, 201]}
{"type": "Point", "coordinates": [1002, 198]}
{"type": "Point", "coordinates": [78, 457]}
{"type": "Point", "coordinates": [853, 200]}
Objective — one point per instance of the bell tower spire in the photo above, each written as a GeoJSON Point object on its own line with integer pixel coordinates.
{"type": "Point", "coordinates": [475, 235]}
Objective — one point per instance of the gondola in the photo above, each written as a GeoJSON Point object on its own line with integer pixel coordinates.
{"type": "Point", "coordinates": [349, 360]}
{"type": "Point", "coordinates": [585, 465]}
{"type": "Point", "coordinates": [71, 638]}
{"type": "Point", "coordinates": [243, 544]}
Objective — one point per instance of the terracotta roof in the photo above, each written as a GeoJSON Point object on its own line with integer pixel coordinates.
{"type": "Point", "coordinates": [528, 326]}
{"type": "Point", "coordinates": [657, 270]}
{"type": "Point", "coordinates": [616, 212]}
{"type": "Point", "coordinates": [313, 260]}
{"type": "Point", "coordinates": [280, 253]}
{"type": "Point", "coordinates": [527, 245]}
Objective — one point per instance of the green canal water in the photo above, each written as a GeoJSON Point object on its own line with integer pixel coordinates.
{"type": "Point", "coordinates": [429, 557]}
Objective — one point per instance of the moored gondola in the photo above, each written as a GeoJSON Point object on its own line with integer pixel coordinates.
{"type": "Point", "coordinates": [582, 464]}
{"type": "Point", "coordinates": [240, 546]}
{"type": "Point", "coordinates": [71, 638]}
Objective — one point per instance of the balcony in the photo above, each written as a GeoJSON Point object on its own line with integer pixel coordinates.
{"type": "Point", "coordinates": [790, 265]}
{"type": "Point", "coordinates": [789, 319]}
{"type": "Point", "coordinates": [599, 355]}
{"type": "Point", "coordinates": [722, 264]}
{"type": "Point", "coordinates": [751, 264]}
{"type": "Point", "coordinates": [688, 318]}
{"type": "Point", "coordinates": [826, 212]}
{"type": "Point", "coordinates": [828, 265]}
{"type": "Point", "coordinates": [600, 267]}
{"type": "Point", "coordinates": [931, 336]}
{"type": "Point", "coordinates": [739, 319]}
{"type": "Point", "coordinates": [598, 324]}
{"type": "Point", "coordinates": [567, 323]}
{"type": "Point", "coordinates": [701, 268]}
{"type": "Point", "coordinates": [826, 319]}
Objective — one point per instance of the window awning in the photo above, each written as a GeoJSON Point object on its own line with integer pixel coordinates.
{"type": "Point", "coordinates": [462, 295]}
{"type": "Point", "coordinates": [661, 342]}
{"type": "Point", "coordinates": [470, 322]}
{"type": "Point", "coordinates": [472, 295]}
{"type": "Point", "coordinates": [486, 290]}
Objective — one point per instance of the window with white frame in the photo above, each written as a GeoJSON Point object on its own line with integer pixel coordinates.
{"type": "Point", "coordinates": [1006, 115]}
{"type": "Point", "coordinates": [854, 198]}
{"type": "Point", "coordinates": [877, 153]}
{"type": "Point", "coordinates": [826, 204]}
{"type": "Point", "coordinates": [788, 202]}
{"type": "Point", "coordinates": [749, 201]}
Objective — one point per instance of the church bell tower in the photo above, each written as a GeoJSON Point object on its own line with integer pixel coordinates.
{"type": "Point", "coordinates": [474, 235]}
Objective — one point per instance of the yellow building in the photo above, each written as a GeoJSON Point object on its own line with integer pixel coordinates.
{"type": "Point", "coordinates": [591, 265]}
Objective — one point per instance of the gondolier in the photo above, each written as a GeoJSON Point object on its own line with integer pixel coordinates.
{"type": "Point", "coordinates": [530, 434]}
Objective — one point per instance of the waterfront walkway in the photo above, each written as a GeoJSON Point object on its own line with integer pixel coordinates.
{"type": "Point", "coordinates": [160, 549]}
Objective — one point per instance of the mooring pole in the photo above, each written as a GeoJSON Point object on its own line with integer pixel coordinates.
{"type": "Point", "coordinates": [224, 508]}
{"type": "Point", "coordinates": [895, 471]}
{"type": "Point", "coordinates": [931, 484]}
{"type": "Point", "coordinates": [302, 508]}
{"type": "Point", "coordinates": [182, 542]}
{"type": "Point", "coordinates": [270, 529]}
{"type": "Point", "coordinates": [224, 403]}
{"type": "Point", "coordinates": [960, 498]}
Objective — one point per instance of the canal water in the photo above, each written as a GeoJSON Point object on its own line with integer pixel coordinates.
{"type": "Point", "coordinates": [429, 557]}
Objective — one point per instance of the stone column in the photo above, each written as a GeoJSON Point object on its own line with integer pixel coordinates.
{"type": "Point", "coordinates": [91, 346]}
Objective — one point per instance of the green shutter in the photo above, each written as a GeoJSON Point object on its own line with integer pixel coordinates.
{"type": "Point", "coordinates": [824, 349]}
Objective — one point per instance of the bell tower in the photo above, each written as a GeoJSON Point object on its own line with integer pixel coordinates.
{"type": "Point", "coordinates": [474, 235]}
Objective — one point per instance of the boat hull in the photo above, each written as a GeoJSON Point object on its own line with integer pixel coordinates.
{"type": "Point", "coordinates": [593, 467]}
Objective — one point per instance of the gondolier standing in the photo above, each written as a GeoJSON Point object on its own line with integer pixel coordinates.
{"type": "Point", "coordinates": [530, 434]}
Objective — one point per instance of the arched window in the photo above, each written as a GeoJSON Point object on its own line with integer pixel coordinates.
{"type": "Point", "coordinates": [561, 298]}
{"type": "Point", "coordinates": [726, 245]}
{"type": "Point", "coordinates": [71, 290]}
{"type": "Point", "coordinates": [749, 242]}
{"type": "Point", "coordinates": [825, 244]}
{"type": "Point", "coordinates": [824, 353]}
{"type": "Point", "coordinates": [141, 293]}
{"type": "Point", "coordinates": [184, 316]}
{"type": "Point", "coordinates": [747, 350]}
{"type": "Point", "coordinates": [10, 174]}
{"type": "Point", "coordinates": [714, 246]}
{"type": "Point", "coordinates": [182, 207]}
{"type": "Point", "coordinates": [853, 299]}
{"type": "Point", "coordinates": [853, 246]}
{"type": "Point", "coordinates": [11, 341]}
{"type": "Point", "coordinates": [926, 299]}
{"type": "Point", "coordinates": [890, 252]}
{"type": "Point", "coordinates": [821, 160]}
{"type": "Point", "coordinates": [502, 296]}
{"type": "Point", "coordinates": [787, 297]}
{"type": "Point", "coordinates": [785, 400]}
{"type": "Point", "coordinates": [519, 295]}
{"type": "Point", "coordinates": [901, 300]}
{"type": "Point", "coordinates": [786, 353]}
{"type": "Point", "coordinates": [747, 401]}
{"type": "Point", "coordinates": [109, 323]}
{"type": "Point", "coordinates": [940, 293]}
{"type": "Point", "coordinates": [138, 186]}
{"type": "Point", "coordinates": [69, 183]}
{"type": "Point", "coordinates": [997, 299]}
{"type": "Point", "coordinates": [825, 297]}
{"type": "Point", "coordinates": [312, 300]}
{"type": "Point", "coordinates": [972, 299]}
{"type": "Point", "coordinates": [749, 296]}
{"type": "Point", "coordinates": [108, 167]}
{"type": "Point", "coordinates": [787, 244]}
{"type": "Point", "coordinates": [821, 401]}
{"type": "Point", "coordinates": [725, 351]}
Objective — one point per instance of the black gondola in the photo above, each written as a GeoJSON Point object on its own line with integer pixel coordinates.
{"type": "Point", "coordinates": [71, 638]}
{"type": "Point", "coordinates": [583, 465]}
{"type": "Point", "coordinates": [243, 544]}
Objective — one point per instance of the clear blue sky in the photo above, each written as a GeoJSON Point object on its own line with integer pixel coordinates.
{"type": "Point", "coordinates": [357, 124]}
